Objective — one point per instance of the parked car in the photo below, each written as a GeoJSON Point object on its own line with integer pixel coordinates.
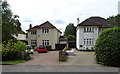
{"type": "Point", "coordinates": [41, 48]}
{"type": "Point", "coordinates": [29, 49]}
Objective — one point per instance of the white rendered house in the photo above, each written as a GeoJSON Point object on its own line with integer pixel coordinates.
{"type": "Point", "coordinates": [89, 30]}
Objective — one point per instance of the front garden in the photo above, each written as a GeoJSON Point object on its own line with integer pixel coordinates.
{"type": "Point", "coordinates": [107, 47]}
{"type": "Point", "coordinates": [14, 52]}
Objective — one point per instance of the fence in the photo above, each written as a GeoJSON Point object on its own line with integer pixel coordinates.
{"type": "Point", "coordinates": [72, 44]}
{"type": "Point", "coordinates": [60, 46]}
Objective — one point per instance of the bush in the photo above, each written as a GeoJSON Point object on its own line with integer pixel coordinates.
{"type": "Point", "coordinates": [48, 47]}
{"type": "Point", "coordinates": [107, 47]}
{"type": "Point", "coordinates": [14, 51]}
{"type": "Point", "coordinates": [20, 46]}
{"type": "Point", "coordinates": [8, 54]}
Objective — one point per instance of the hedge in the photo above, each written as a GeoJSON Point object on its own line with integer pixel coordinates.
{"type": "Point", "coordinates": [107, 47]}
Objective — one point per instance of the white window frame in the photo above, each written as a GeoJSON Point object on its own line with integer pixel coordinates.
{"type": "Point", "coordinates": [88, 29]}
{"type": "Point", "coordinates": [33, 42]}
{"type": "Point", "coordinates": [88, 41]}
{"type": "Point", "coordinates": [33, 32]}
{"type": "Point", "coordinates": [45, 42]}
{"type": "Point", "coordinates": [45, 30]}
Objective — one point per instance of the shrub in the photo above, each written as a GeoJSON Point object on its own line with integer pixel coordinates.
{"type": "Point", "coordinates": [14, 51]}
{"type": "Point", "coordinates": [48, 47]}
{"type": "Point", "coordinates": [20, 46]}
{"type": "Point", "coordinates": [8, 54]}
{"type": "Point", "coordinates": [107, 47]}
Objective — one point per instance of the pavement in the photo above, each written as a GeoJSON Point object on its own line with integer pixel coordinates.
{"type": "Point", "coordinates": [80, 61]}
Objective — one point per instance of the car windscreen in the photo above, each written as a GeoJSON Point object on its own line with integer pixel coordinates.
{"type": "Point", "coordinates": [29, 47]}
{"type": "Point", "coordinates": [41, 47]}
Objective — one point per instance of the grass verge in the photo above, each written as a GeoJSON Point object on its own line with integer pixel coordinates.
{"type": "Point", "coordinates": [13, 61]}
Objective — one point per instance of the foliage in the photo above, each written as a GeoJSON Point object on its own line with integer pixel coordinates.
{"type": "Point", "coordinates": [71, 37]}
{"type": "Point", "coordinates": [70, 30]}
{"type": "Point", "coordinates": [48, 47]}
{"type": "Point", "coordinates": [14, 51]}
{"type": "Point", "coordinates": [10, 23]}
{"type": "Point", "coordinates": [107, 47]}
{"type": "Point", "coordinates": [115, 19]}
{"type": "Point", "coordinates": [20, 46]}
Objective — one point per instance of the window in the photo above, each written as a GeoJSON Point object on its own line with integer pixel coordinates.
{"type": "Point", "coordinates": [45, 42]}
{"type": "Point", "coordinates": [45, 30]}
{"type": "Point", "coordinates": [33, 42]}
{"type": "Point", "coordinates": [33, 33]}
{"type": "Point", "coordinates": [88, 41]}
{"type": "Point", "coordinates": [89, 29]}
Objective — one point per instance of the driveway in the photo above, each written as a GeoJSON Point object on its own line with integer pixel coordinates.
{"type": "Point", "coordinates": [52, 58]}
{"type": "Point", "coordinates": [49, 58]}
{"type": "Point", "coordinates": [48, 62]}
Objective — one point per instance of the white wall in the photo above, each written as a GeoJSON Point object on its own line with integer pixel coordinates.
{"type": "Point", "coordinates": [81, 35]}
{"type": "Point", "coordinates": [78, 37]}
{"type": "Point", "coordinates": [119, 7]}
{"type": "Point", "coordinates": [20, 37]}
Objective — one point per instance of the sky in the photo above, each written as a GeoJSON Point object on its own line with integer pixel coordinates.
{"type": "Point", "coordinates": [61, 12]}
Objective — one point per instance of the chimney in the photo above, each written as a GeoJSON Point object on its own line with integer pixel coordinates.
{"type": "Point", "coordinates": [30, 26]}
{"type": "Point", "coordinates": [78, 21]}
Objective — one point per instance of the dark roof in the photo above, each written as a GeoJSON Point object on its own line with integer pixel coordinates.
{"type": "Point", "coordinates": [21, 32]}
{"type": "Point", "coordinates": [63, 38]}
{"type": "Point", "coordinates": [46, 24]}
{"type": "Point", "coordinates": [97, 21]}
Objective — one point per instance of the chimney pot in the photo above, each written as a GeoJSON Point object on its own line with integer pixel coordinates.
{"type": "Point", "coordinates": [78, 21]}
{"type": "Point", "coordinates": [30, 26]}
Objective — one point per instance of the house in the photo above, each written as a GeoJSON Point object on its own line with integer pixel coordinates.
{"type": "Point", "coordinates": [89, 30]}
{"type": "Point", "coordinates": [21, 36]}
{"type": "Point", "coordinates": [63, 40]}
{"type": "Point", "coordinates": [44, 34]}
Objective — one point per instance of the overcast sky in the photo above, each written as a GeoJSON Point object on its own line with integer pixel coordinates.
{"type": "Point", "coordinates": [61, 12]}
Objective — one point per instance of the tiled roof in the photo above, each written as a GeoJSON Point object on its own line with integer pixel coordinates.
{"type": "Point", "coordinates": [46, 24]}
{"type": "Point", "coordinates": [21, 32]}
{"type": "Point", "coordinates": [97, 21]}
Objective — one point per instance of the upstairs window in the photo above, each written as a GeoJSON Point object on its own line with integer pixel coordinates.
{"type": "Point", "coordinates": [88, 29]}
{"type": "Point", "coordinates": [33, 33]}
{"type": "Point", "coordinates": [45, 30]}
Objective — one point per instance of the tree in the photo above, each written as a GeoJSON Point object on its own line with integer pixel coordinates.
{"type": "Point", "coordinates": [115, 19]}
{"type": "Point", "coordinates": [70, 30]}
{"type": "Point", "coordinates": [10, 23]}
{"type": "Point", "coordinates": [71, 37]}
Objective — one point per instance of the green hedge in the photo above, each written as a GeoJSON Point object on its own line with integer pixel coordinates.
{"type": "Point", "coordinates": [48, 47]}
{"type": "Point", "coordinates": [107, 47]}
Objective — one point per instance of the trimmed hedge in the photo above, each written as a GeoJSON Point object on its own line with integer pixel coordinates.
{"type": "Point", "coordinates": [48, 47]}
{"type": "Point", "coordinates": [107, 47]}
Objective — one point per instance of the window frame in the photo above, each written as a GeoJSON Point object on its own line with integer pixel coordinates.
{"type": "Point", "coordinates": [46, 42]}
{"type": "Point", "coordinates": [45, 30]}
{"type": "Point", "coordinates": [88, 41]}
{"type": "Point", "coordinates": [88, 29]}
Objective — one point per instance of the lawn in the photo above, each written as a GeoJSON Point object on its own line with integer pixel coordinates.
{"type": "Point", "coordinates": [13, 61]}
